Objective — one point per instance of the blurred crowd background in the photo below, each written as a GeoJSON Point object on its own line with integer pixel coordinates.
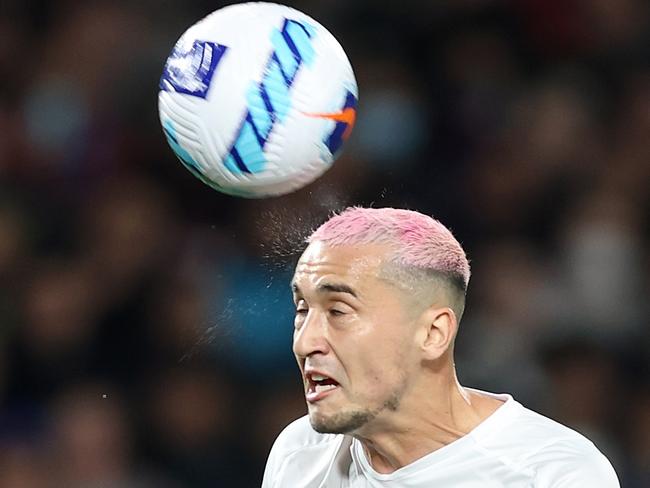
{"type": "Point", "coordinates": [146, 320]}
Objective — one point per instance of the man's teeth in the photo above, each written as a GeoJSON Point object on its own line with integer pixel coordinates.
{"type": "Point", "coordinates": [318, 377]}
{"type": "Point", "coordinates": [320, 388]}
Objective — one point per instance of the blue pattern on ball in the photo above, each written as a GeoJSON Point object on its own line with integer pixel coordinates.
{"type": "Point", "coordinates": [269, 100]}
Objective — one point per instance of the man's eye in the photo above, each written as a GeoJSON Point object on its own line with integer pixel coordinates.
{"type": "Point", "coordinates": [336, 313]}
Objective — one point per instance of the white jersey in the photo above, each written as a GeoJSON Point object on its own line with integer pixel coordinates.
{"type": "Point", "coordinates": [514, 447]}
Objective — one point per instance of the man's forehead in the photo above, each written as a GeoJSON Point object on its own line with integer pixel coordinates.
{"type": "Point", "coordinates": [350, 260]}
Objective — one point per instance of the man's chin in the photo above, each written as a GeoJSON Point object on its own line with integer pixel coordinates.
{"type": "Point", "coordinates": [340, 422]}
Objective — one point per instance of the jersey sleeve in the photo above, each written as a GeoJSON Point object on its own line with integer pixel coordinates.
{"type": "Point", "coordinates": [300, 456]}
{"type": "Point", "coordinates": [295, 437]}
{"type": "Point", "coordinates": [269, 471]}
{"type": "Point", "coordinates": [273, 463]}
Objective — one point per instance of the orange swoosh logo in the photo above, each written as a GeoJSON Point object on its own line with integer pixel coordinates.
{"type": "Point", "coordinates": [347, 116]}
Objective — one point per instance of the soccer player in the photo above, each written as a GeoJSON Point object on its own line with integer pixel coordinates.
{"type": "Point", "coordinates": [379, 294]}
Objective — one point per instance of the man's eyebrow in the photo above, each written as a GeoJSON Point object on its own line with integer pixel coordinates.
{"type": "Point", "coordinates": [336, 288]}
{"type": "Point", "coordinates": [328, 288]}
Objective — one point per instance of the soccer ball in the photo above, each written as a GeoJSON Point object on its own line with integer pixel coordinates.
{"type": "Point", "coordinates": [257, 99]}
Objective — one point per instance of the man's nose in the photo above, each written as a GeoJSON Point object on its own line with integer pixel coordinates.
{"type": "Point", "coordinates": [311, 337]}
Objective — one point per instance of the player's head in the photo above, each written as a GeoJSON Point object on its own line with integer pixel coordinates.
{"type": "Point", "coordinates": [379, 293]}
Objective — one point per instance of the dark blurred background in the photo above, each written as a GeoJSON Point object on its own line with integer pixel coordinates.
{"type": "Point", "coordinates": [145, 319]}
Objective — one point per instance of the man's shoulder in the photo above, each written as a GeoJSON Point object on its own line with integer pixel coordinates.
{"type": "Point", "coordinates": [543, 434]}
{"type": "Point", "coordinates": [537, 431]}
{"type": "Point", "coordinates": [569, 459]}
{"type": "Point", "coordinates": [568, 464]}
{"type": "Point", "coordinates": [556, 455]}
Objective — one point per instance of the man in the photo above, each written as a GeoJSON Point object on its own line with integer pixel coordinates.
{"type": "Point", "coordinates": [379, 294]}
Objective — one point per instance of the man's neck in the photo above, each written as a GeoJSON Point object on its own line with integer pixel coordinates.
{"type": "Point", "coordinates": [423, 425]}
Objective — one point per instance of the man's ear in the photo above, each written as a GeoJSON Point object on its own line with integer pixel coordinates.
{"type": "Point", "coordinates": [437, 330]}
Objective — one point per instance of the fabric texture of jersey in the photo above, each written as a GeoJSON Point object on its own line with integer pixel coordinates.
{"type": "Point", "coordinates": [514, 448]}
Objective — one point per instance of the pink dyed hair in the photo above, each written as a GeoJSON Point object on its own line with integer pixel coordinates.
{"type": "Point", "coordinates": [418, 240]}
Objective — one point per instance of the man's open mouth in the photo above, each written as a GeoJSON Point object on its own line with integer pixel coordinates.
{"type": "Point", "coordinates": [319, 386]}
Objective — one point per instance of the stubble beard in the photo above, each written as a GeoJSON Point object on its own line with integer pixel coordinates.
{"type": "Point", "coordinates": [347, 422]}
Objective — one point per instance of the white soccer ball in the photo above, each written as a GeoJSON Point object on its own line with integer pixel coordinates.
{"type": "Point", "coordinates": [256, 99]}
